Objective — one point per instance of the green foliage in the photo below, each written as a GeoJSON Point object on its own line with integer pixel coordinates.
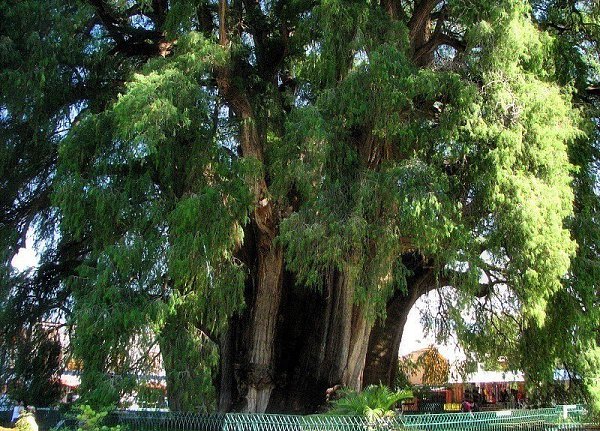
{"type": "Point", "coordinates": [93, 420]}
{"type": "Point", "coordinates": [374, 402]}
{"type": "Point", "coordinates": [501, 134]}
{"type": "Point", "coordinates": [33, 372]}
{"type": "Point", "coordinates": [190, 360]}
{"type": "Point", "coordinates": [165, 206]}
{"type": "Point", "coordinates": [402, 379]}
{"type": "Point", "coordinates": [150, 397]}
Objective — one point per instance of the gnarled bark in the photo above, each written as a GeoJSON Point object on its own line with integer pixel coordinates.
{"type": "Point", "coordinates": [322, 340]}
{"type": "Point", "coordinates": [346, 334]}
{"type": "Point", "coordinates": [263, 324]}
{"type": "Point", "coordinates": [265, 307]}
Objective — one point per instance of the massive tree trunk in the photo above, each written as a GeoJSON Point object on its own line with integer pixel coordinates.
{"type": "Point", "coordinates": [322, 341]}
{"type": "Point", "coordinates": [346, 334]}
{"type": "Point", "coordinates": [299, 349]}
{"type": "Point", "coordinates": [262, 330]}
{"type": "Point", "coordinates": [269, 256]}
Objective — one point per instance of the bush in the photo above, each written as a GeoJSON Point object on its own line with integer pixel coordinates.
{"type": "Point", "coordinates": [374, 402]}
{"type": "Point", "coordinates": [92, 420]}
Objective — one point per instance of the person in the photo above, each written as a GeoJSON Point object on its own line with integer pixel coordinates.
{"type": "Point", "coordinates": [26, 421]}
{"type": "Point", "coordinates": [17, 410]}
{"type": "Point", "coordinates": [467, 407]}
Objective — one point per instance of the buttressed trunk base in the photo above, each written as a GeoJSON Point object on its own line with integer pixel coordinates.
{"type": "Point", "coordinates": [263, 325]}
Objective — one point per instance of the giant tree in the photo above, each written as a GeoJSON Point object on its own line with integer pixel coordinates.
{"type": "Point", "coordinates": [265, 188]}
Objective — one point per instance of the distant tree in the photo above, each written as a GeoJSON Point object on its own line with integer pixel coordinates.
{"type": "Point", "coordinates": [429, 364]}
{"type": "Point", "coordinates": [435, 367]}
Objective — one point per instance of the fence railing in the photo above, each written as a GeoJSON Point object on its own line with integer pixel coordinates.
{"type": "Point", "coordinates": [560, 418]}
{"type": "Point", "coordinates": [548, 419]}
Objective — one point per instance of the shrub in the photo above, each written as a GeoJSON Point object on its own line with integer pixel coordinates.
{"type": "Point", "coordinates": [374, 402]}
{"type": "Point", "coordinates": [92, 420]}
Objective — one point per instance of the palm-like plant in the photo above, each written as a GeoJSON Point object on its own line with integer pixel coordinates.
{"type": "Point", "coordinates": [374, 402]}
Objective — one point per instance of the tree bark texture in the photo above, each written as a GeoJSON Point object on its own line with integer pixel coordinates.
{"type": "Point", "coordinates": [263, 324]}
{"type": "Point", "coordinates": [346, 334]}
{"type": "Point", "coordinates": [226, 381]}
{"type": "Point", "coordinates": [322, 341]}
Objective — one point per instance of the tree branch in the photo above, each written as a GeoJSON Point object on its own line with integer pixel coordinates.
{"type": "Point", "coordinates": [132, 41]}
{"type": "Point", "coordinates": [223, 39]}
{"type": "Point", "coordinates": [418, 25]}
